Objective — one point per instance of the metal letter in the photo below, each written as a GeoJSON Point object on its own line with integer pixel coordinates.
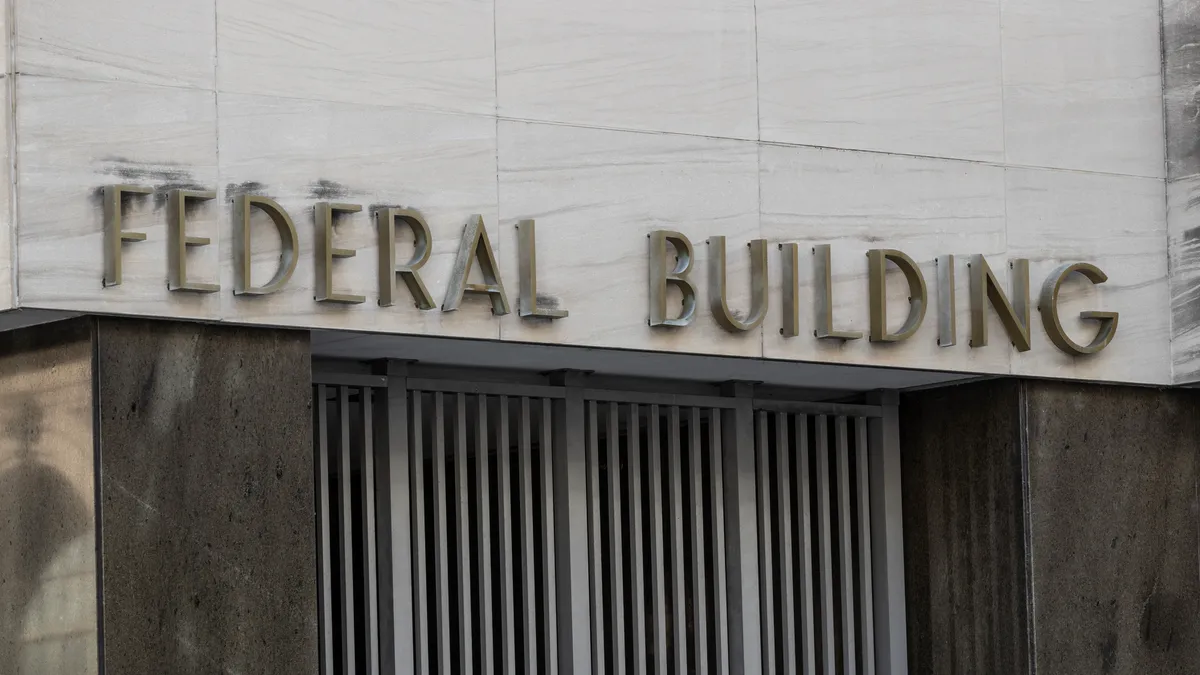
{"type": "Point", "coordinates": [178, 241]}
{"type": "Point", "coordinates": [758, 285]}
{"type": "Point", "coordinates": [114, 236]}
{"type": "Point", "coordinates": [386, 220]}
{"type": "Point", "coordinates": [323, 213]}
{"type": "Point", "coordinates": [984, 288]}
{"type": "Point", "coordinates": [661, 275]}
{"type": "Point", "coordinates": [791, 290]}
{"type": "Point", "coordinates": [475, 244]}
{"type": "Point", "coordinates": [947, 306]}
{"type": "Point", "coordinates": [1049, 311]}
{"type": "Point", "coordinates": [527, 252]}
{"type": "Point", "coordinates": [241, 244]}
{"type": "Point", "coordinates": [877, 281]}
{"type": "Point", "coordinates": [824, 278]}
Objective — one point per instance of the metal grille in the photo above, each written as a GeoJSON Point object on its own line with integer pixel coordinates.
{"type": "Point", "coordinates": [483, 511]}
{"type": "Point", "coordinates": [545, 527]}
{"type": "Point", "coordinates": [814, 544]}
{"type": "Point", "coordinates": [656, 538]}
{"type": "Point", "coordinates": [346, 562]}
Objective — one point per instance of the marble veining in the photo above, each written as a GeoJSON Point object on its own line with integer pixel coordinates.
{"type": "Point", "coordinates": [916, 77]}
{"type": "Point", "coordinates": [1083, 85]}
{"type": "Point", "coordinates": [134, 41]}
{"type": "Point", "coordinates": [665, 65]}
{"type": "Point", "coordinates": [426, 54]}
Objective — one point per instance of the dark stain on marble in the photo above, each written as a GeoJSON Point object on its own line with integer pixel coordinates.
{"type": "Point", "coordinates": [327, 190]}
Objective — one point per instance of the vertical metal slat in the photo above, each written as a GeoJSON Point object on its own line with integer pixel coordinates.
{"type": "Point", "coordinates": [846, 541]}
{"type": "Point", "coordinates": [825, 583]}
{"type": "Point", "coordinates": [346, 525]}
{"type": "Point", "coordinates": [637, 556]}
{"type": "Point", "coordinates": [657, 554]}
{"type": "Point", "coordinates": [617, 589]}
{"type": "Point", "coordinates": [508, 628]}
{"type": "Point", "coordinates": [594, 537]}
{"type": "Point", "coordinates": [483, 479]}
{"type": "Point", "coordinates": [325, 558]}
{"type": "Point", "coordinates": [441, 548]}
{"type": "Point", "coordinates": [863, 491]}
{"type": "Point", "coordinates": [783, 486]}
{"type": "Point", "coordinates": [525, 497]}
{"type": "Point", "coordinates": [420, 542]}
{"type": "Point", "coordinates": [766, 585]}
{"type": "Point", "coordinates": [549, 602]}
{"type": "Point", "coordinates": [720, 601]}
{"type": "Point", "coordinates": [371, 637]}
{"type": "Point", "coordinates": [808, 651]}
{"type": "Point", "coordinates": [699, 579]}
{"type": "Point", "coordinates": [463, 531]}
{"type": "Point", "coordinates": [678, 579]}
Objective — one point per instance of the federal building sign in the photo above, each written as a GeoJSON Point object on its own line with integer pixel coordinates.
{"type": "Point", "coordinates": [669, 266]}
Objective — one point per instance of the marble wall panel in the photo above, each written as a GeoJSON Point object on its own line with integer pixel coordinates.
{"type": "Point", "coordinates": [667, 65]}
{"type": "Point", "coordinates": [909, 76]}
{"type": "Point", "coordinates": [857, 201]}
{"type": "Point", "coordinates": [431, 54]}
{"type": "Point", "coordinates": [1183, 228]}
{"type": "Point", "coordinates": [76, 137]}
{"type": "Point", "coordinates": [8, 291]}
{"type": "Point", "coordinates": [1117, 223]}
{"type": "Point", "coordinates": [301, 152]}
{"type": "Point", "coordinates": [595, 196]}
{"type": "Point", "coordinates": [1083, 85]}
{"type": "Point", "coordinates": [1181, 85]}
{"type": "Point", "coordinates": [140, 41]}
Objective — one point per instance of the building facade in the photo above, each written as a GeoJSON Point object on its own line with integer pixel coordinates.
{"type": "Point", "coordinates": [647, 337]}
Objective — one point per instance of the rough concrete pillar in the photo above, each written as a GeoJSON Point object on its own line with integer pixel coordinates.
{"type": "Point", "coordinates": [1052, 528]}
{"type": "Point", "coordinates": [206, 493]}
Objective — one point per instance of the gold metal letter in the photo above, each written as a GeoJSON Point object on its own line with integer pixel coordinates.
{"type": "Point", "coordinates": [661, 274]}
{"type": "Point", "coordinates": [527, 252]}
{"type": "Point", "coordinates": [877, 259]}
{"type": "Point", "coordinates": [114, 236]}
{"type": "Point", "coordinates": [178, 241]}
{"type": "Point", "coordinates": [758, 285]}
{"type": "Point", "coordinates": [824, 278]}
{"type": "Point", "coordinates": [947, 306]}
{"type": "Point", "coordinates": [323, 214]}
{"type": "Point", "coordinates": [985, 288]}
{"type": "Point", "coordinates": [791, 290]}
{"type": "Point", "coordinates": [1049, 311]}
{"type": "Point", "coordinates": [475, 244]}
{"type": "Point", "coordinates": [386, 220]}
{"type": "Point", "coordinates": [241, 244]}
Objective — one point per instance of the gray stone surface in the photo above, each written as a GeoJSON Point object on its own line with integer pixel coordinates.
{"type": "Point", "coordinates": [965, 564]}
{"type": "Point", "coordinates": [1094, 569]}
{"type": "Point", "coordinates": [48, 615]}
{"type": "Point", "coordinates": [1115, 521]}
{"type": "Point", "coordinates": [207, 499]}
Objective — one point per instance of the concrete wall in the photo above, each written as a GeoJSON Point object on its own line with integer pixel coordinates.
{"type": "Point", "coordinates": [1052, 525]}
{"type": "Point", "coordinates": [1011, 128]}
{"type": "Point", "coordinates": [207, 499]}
{"type": "Point", "coordinates": [48, 586]}
{"type": "Point", "coordinates": [156, 500]}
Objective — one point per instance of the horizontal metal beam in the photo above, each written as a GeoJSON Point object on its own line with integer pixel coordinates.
{"type": "Point", "coordinates": [486, 388]}
{"type": "Point", "coordinates": [341, 379]}
{"type": "Point", "coordinates": [651, 398]}
{"type": "Point", "coordinates": [818, 408]}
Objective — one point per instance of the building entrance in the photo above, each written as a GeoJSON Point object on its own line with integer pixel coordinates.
{"type": "Point", "coordinates": [516, 522]}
